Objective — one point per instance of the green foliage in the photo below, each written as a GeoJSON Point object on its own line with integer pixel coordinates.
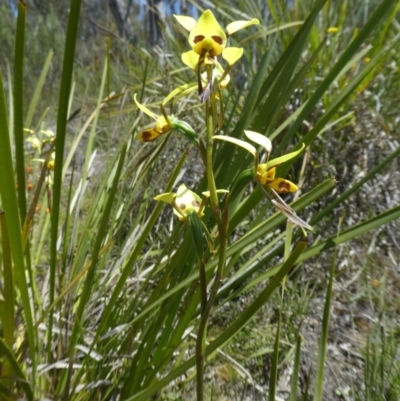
{"type": "Point", "coordinates": [104, 292]}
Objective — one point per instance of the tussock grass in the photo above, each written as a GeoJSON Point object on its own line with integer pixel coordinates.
{"type": "Point", "coordinates": [100, 294]}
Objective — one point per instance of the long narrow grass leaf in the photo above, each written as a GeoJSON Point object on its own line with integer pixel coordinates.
{"type": "Point", "coordinates": [7, 352]}
{"type": "Point", "coordinates": [19, 108]}
{"type": "Point", "coordinates": [350, 50]}
{"type": "Point", "coordinates": [62, 116]}
{"type": "Point", "coordinates": [38, 89]}
{"type": "Point", "coordinates": [13, 223]}
{"type": "Point", "coordinates": [319, 379]}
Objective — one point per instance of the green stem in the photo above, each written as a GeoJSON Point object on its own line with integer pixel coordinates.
{"type": "Point", "coordinates": [203, 284]}
{"type": "Point", "coordinates": [222, 223]}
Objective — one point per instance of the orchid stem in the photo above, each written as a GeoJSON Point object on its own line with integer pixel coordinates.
{"type": "Point", "coordinates": [222, 223]}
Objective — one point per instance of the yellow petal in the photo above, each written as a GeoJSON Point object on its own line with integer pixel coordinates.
{"type": "Point", "coordinates": [162, 125]}
{"type": "Point", "coordinates": [187, 22]}
{"type": "Point", "coordinates": [263, 175]}
{"type": "Point", "coordinates": [243, 144]}
{"type": "Point", "coordinates": [187, 201]}
{"type": "Point", "coordinates": [145, 109]}
{"type": "Point", "coordinates": [284, 158]}
{"type": "Point", "coordinates": [282, 186]}
{"type": "Point", "coordinates": [259, 139]}
{"type": "Point", "coordinates": [148, 135]}
{"type": "Point", "coordinates": [167, 197]}
{"type": "Point", "coordinates": [177, 91]}
{"type": "Point", "coordinates": [191, 59]}
{"type": "Point", "coordinates": [207, 36]}
{"type": "Point", "coordinates": [224, 83]}
{"type": "Point", "coordinates": [232, 54]}
{"type": "Point", "coordinates": [237, 25]}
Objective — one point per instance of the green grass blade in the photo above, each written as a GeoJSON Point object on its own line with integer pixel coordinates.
{"type": "Point", "coordinates": [339, 200]}
{"type": "Point", "coordinates": [237, 248]}
{"type": "Point", "coordinates": [273, 379]}
{"type": "Point", "coordinates": [319, 379]}
{"type": "Point", "coordinates": [19, 108]}
{"type": "Point", "coordinates": [7, 352]}
{"type": "Point", "coordinates": [101, 235]}
{"type": "Point", "coordinates": [8, 311]}
{"type": "Point", "coordinates": [13, 224]}
{"type": "Point", "coordinates": [261, 298]}
{"type": "Point", "coordinates": [339, 100]}
{"type": "Point", "coordinates": [353, 232]}
{"type": "Point", "coordinates": [283, 71]}
{"type": "Point", "coordinates": [366, 30]}
{"type": "Point", "coordinates": [138, 248]}
{"type": "Point", "coordinates": [295, 374]}
{"type": "Point", "coordinates": [65, 89]}
{"type": "Point", "coordinates": [323, 246]}
{"type": "Point", "coordinates": [38, 89]}
{"type": "Point", "coordinates": [232, 330]}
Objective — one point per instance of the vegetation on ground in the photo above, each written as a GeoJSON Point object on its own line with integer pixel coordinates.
{"type": "Point", "coordinates": [273, 275]}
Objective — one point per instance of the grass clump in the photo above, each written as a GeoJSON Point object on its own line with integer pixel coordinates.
{"type": "Point", "coordinates": [107, 294]}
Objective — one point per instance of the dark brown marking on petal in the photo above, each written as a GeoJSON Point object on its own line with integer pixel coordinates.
{"type": "Point", "coordinates": [284, 187]}
{"type": "Point", "coordinates": [147, 136]}
{"type": "Point", "coordinates": [217, 39]}
{"type": "Point", "coordinates": [182, 206]}
{"type": "Point", "coordinates": [195, 203]}
{"type": "Point", "coordinates": [198, 38]}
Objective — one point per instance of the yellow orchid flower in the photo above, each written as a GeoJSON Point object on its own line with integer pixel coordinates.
{"type": "Point", "coordinates": [186, 201]}
{"type": "Point", "coordinates": [163, 125]}
{"type": "Point", "coordinates": [160, 127]}
{"type": "Point", "coordinates": [208, 39]}
{"type": "Point", "coordinates": [265, 172]}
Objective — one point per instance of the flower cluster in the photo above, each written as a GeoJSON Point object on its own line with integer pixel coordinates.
{"type": "Point", "coordinates": [208, 41]}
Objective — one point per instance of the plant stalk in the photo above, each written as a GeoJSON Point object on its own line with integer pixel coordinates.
{"type": "Point", "coordinates": [222, 223]}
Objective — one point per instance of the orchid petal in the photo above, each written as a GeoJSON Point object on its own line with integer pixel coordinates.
{"type": "Point", "coordinates": [145, 109]}
{"type": "Point", "coordinates": [177, 91]}
{"type": "Point", "coordinates": [282, 186]}
{"type": "Point", "coordinates": [284, 158]}
{"type": "Point", "coordinates": [187, 201]}
{"type": "Point", "coordinates": [238, 25]}
{"type": "Point", "coordinates": [148, 135]}
{"type": "Point", "coordinates": [187, 22]}
{"type": "Point", "coordinates": [167, 197]}
{"type": "Point", "coordinates": [191, 59]}
{"type": "Point", "coordinates": [259, 139]}
{"type": "Point", "coordinates": [232, 54]}
{"type": "Point", "coordinates": [243, 144]}
{"type": "Point", "coordinates": [207, 36]}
